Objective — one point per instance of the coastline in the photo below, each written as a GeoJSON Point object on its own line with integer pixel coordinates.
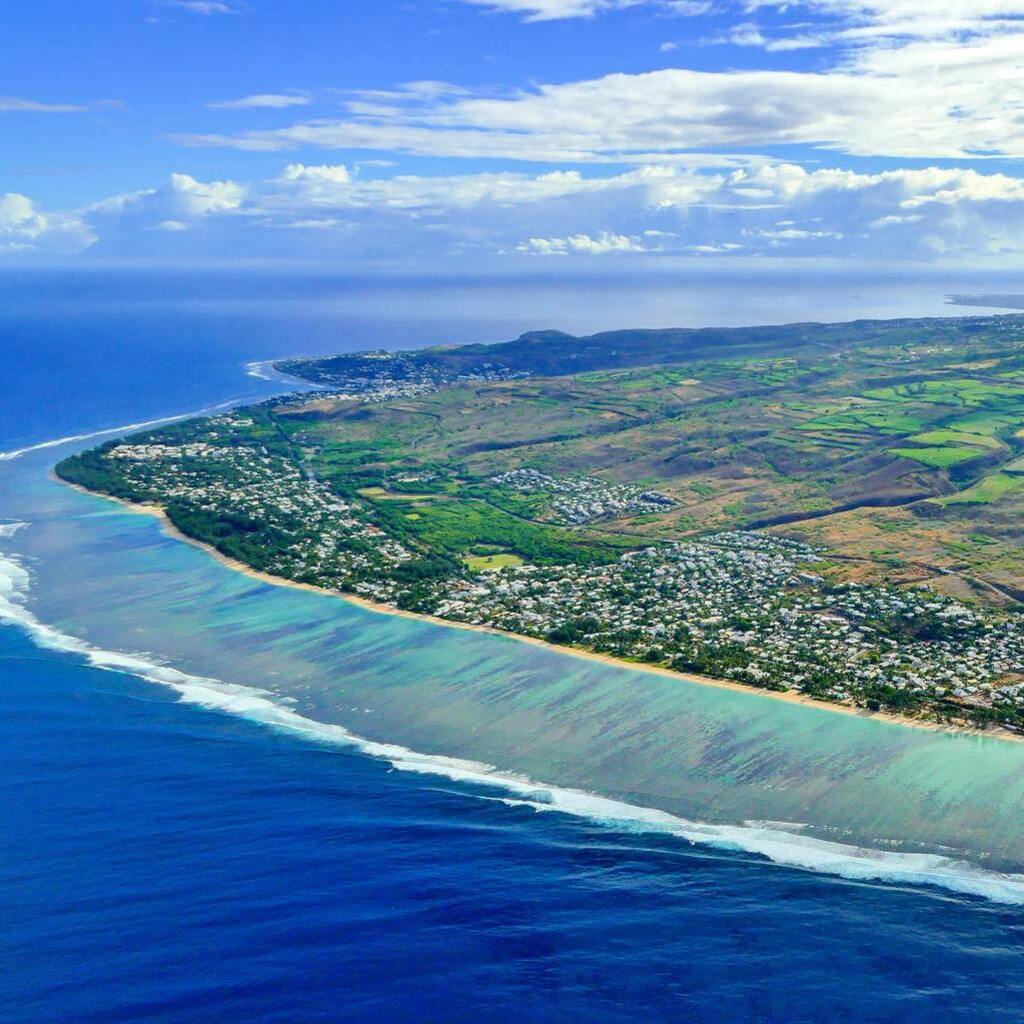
{"type": "Point", "coordinates": [380, 608]}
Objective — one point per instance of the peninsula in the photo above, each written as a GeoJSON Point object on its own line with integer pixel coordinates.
{"type": "Point", "coordinates": [830, 510]}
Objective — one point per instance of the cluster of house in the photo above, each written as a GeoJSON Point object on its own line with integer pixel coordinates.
{"type": "Point", "coordinates": [317, 537]}
{"type": "Point", "coordinates": [744, 606]}
{"type": "Point", "coordinates": [387, 391]}
{"type": "Point", "coordinates": [748, 607]}
{"type": "Point", "coordinates": [391, 375]}
{"type": "Point", "coordinates": [580, 499]}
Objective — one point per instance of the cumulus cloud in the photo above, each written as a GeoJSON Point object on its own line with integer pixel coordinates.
{"type": "Point", "coordinates": [604, 243]}
{"type": "Point", "coordinates": [329, 212]}
{"type": "Point", "coordinates": [179, 204]}
{"type": "Point", "coordinates": [26, 230]}
{"type": "Point", "coordinates": [942, 83]}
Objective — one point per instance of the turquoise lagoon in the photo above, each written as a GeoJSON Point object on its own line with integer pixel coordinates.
{"type": "Point", "coordinates": [804, 786]}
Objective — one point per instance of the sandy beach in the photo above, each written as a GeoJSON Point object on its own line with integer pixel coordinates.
{"type": "Point", "coordinates": [384, 609]}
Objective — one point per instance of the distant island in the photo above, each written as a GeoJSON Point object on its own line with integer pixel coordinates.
{"type": "Point", "coordinates": [828, 510]}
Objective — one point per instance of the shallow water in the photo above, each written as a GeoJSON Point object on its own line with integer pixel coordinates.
{"type": "Point", "coordinates": [675, 763]}
{"type": "Point", "coordinates": [703, 754]}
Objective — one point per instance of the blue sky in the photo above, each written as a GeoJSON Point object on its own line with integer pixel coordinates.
{"type": "Point", "coordinates": [512, 132]}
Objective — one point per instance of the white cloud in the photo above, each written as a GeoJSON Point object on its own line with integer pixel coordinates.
{"type": "Point", "coordinates": [900, 18]}
{"type": "Point", "coordinates": [926, 99]}
{"type": "Point", "coordinates": [327, 212]}
{"type": "Point", "coordinates": [873, 24]}
{"type": "Point", "coordinates": [24, 229]}
{"type": "Point", "coordinates": [604, 243]}
{"type": "Point", "coordinates": [204, 7]}
{"type": "Point", "coordinates": [178, 204]}
{"type": "Point", "coordinates": [942, 82]}
{"type": "Point", "coordinates": [334, 173]}
{"type": "Point", "coordinates": [909, 16]}
{"type": "Point", "coordinates": [750, 34]}
{"type": "Point", "coordinates": [18, 104]}
{"type": "Point", "coordinates": [553, 10]}
{"type": "Point", "coordinates": [263, 100]}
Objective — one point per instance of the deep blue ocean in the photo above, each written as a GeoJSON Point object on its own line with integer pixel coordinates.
{"type": "Point", "coordinates": [163, 862]}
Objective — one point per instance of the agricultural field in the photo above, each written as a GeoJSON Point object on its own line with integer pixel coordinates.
{"type": "Point", "coordinates": [873, 423]}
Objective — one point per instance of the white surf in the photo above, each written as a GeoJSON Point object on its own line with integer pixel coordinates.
{"type": "Point", "coordinates": [765, 839]}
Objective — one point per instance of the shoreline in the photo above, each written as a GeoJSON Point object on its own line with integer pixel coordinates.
{"type": "Point", "coordinates": [157, 512]}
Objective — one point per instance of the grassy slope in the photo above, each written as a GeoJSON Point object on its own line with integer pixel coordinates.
{"type": "Point", "coordinates": [889, 442]}
{"type": "Point", "coordinates": [857, 424]}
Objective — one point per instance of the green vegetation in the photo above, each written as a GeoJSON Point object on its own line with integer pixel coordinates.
{"type": "Point", "coordinates": [991, 488]}
{"type": "Point", "coordinates": [940, 458]}
{"type": "Point", "coordinates": [954, 438]}
{"type": "Point", "coordinates": [989, 423]}
{"type": "Point", "coordinates": [482, 563]}
{"type": "Point", "coordinates": [454, 527]}
{"type": "Point", "coordinates": [880, 421]}
{"type": "Point", "coordinates": [963, 391]}
{"type": "Point", "coordinates": [792, 425]}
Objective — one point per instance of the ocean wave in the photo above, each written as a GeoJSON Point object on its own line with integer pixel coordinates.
{"type": "Point", "coordinates": [125, 428]}
{"type": "Point", "coordinates": [765, 839]}
{"type": "Point", "coordinates": [71, 438]}
{"type": "Point", "coordinates": [263, 369]}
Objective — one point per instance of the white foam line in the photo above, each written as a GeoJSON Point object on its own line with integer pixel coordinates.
{"type": "Point", "coordinates": [764, 839]}
{"type": "Point", "coordinates": [258, 369]}
{"type": "Point", "coordinates": [123, 429]}
{"type": "Point", "coordinates": [266, 369]}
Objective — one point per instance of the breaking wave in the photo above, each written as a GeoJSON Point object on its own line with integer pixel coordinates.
{"type": "Point", "coordinates": [263, 369]}
{"type": "Point", "coordinates": [71, 438]}
{"type": "Point", "coordinates": [772, 840]}
{"type": "Point", "coordinates": [123, 429]}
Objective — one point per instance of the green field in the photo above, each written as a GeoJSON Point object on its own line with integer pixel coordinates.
{"type": "Point", "coordinates": [455, 527]}
{"type": "Point", "coordinates": [749, 439]}
{"type": "Point", "coordinates": [990, 489]}
{"type": "Point", "coordinates": [881, 421]}
{"type": "Point", "coordinates": [990, 423]}
{"type": "Point", "coordinates": [954, 438]}
{"type": "Point", "coordinates": [939, 458]}
{"type": "Point", "coordinates": [963, 391]}
{"type": "Point", "coordinates": [483, 563]}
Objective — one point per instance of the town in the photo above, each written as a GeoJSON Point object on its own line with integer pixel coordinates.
{"type": "Point", "coordinates": [381, 376]}
{"type": "Point", "coordinates": [580, 500]}
{"type": "Point", "coordinates": [750, 607]}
